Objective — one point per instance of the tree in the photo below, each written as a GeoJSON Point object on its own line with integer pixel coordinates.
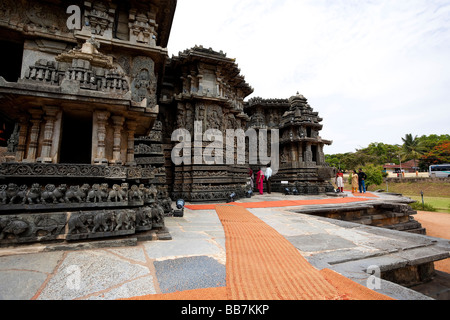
{"type": "Point", "coordinates": [431, 141]}
{"type": "Point", "coordinates": [374, 175]}
{"type": "Point", "coordinates": [412, 148]}
{"type": "Point", "coordinates": [438, 155]}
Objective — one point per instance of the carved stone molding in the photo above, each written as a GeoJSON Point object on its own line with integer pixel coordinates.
{"type": "Point", "coordinates": [61, 170]}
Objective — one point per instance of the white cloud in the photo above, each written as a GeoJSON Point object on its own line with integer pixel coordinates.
{"type": "Point", "coordinates": [384, 62]}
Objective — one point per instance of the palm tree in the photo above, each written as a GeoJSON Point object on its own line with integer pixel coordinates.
{"type": "Point", "coordinates": [412, 148]}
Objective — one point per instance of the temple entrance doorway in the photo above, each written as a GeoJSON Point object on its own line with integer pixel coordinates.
{"type": "Point", "coordinates": [76, 141]}
{"type": "Point", "coordinates": [12, 53]}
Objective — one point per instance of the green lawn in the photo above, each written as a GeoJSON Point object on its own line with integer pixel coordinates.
{"type": "Point", "coordinates": [441, 204]}
{"type": "Point", "coordinates": [436, 194]}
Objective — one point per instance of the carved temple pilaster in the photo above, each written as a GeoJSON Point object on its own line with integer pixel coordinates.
{"type": "Point", "coordinates": [300, 152]}
{"type": "Point", "coordinates": [101, 117]}
{"type": "Point", "coordinates": [22, 143]}
{"type": "Point", "coordinates": [118, 122]}
{"type": "Point", "coordinates": [131, 129]}
{"type": "Point", "coordinates": [308, 153]}
{"type": "Point", "coordinates": [50, 118]}
{"type": "Point", "coordinates": [320, 155]}
{"type": "Point", "coordinates": [36, 115]}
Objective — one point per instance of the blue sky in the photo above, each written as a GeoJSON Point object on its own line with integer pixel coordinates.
{"type": "Point", "coordinates": [375, 70]}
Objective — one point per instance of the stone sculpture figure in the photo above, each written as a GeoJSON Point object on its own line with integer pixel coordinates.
{"type": "Point", "coordinates": [125, 220]}
{"type": "Point", "coordinates": [153, 192]}
{"type": "Point", "coordinates": [104, 192]}
{"type": "Point", "coordinates": [134, 193]}
{"type": "Point", "coordinates": [34, 194]}
{"type": "Point", "coordinates": [157, 213]}
{"type": "Point", "coordinates": [53, 193]}
{"type": "Point", "coordinates": [124, 191]}
{"type": "Point", "coordinates": [44, 225]}
{"type": "Point", "coordinates": [11, 192]}
{"type": "Point", "coordinates": [78, 223]}
{"type": "Point", "coordinates": [115, 194]}
{"type": "Point", "coordinates": [76, 192]}
{"type": "Point", "coordinates": [103, 221]}
{"type": "Point", "coordinates": [13, 227]}
{"type": "Point", "coordinates": [145, 192]}
{"type": "Point", "coordinates": [94, 194]}
{"type": "Point", "coordinates": [144, 217]}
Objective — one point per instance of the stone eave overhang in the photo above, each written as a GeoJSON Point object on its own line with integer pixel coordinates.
{"type": "Point", "coordinates": [267, 105]}
{"type": "Point", "coordinates": [18, 97]}
{"type": "Point", "coordinates": [233, 76]}
{"type": "Point", "coordinates": [310, 140]}
{"type": "Point", "coordinates": [296, 123]}
{"type": "Point", "coordinates": [209, 98]}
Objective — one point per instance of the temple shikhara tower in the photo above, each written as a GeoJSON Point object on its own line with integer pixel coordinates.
{"type": "Point", "coordinates": [302, 159]}
{"type": "Point", "coordinates": [89, 99]}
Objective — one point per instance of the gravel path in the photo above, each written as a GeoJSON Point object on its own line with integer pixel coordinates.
{"type": "Point", "coordinates": [437, 225]}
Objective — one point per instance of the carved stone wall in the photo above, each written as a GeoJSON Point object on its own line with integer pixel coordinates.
{"type": "Point", "coordinates": [78, 225]}
{"type": "Point", "coordinates": [302, 161]}
{"type": "Point", "coordinates": [207, 92]}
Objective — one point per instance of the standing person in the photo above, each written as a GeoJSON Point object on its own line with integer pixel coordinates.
{"type": "Point", "coordinates": [362, 181]}
{"type": "Point", "coordinates": [268, 178]}
{"type": "Point", "coordinates": [340, 181]}
{"type": "Point", "coordinates": [355, 182]}
{"type": "Point", "coordinates": [260, 181]}
{"type": "Point", "coordinates": [250, 174]}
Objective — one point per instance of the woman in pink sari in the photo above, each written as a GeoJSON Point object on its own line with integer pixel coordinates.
{"type": "Point", "coordinates": [260, 181]}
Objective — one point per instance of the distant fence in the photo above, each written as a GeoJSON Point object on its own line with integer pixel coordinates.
{"type": "Point", "coordinates": [415, 179]}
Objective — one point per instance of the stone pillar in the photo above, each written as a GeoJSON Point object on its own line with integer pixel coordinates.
{"type": "Point", "coordinates": [131, 126]}
{"type": "Point", "coordinates": [118, 126]}
{"type": "Point", "coordinates": [320, 155]}
{"type": "Point", "coordinates": [293, 152]}
{"type": "Point", "coordinates": [190, 83]}
{"type": "Point", "coordinates": [185, 85]}
{"type": "Point", "coordinates": [102, 118]}
{"type": "Point", "coordinates": [308, 153]}
{"type": "Point", "coordinates": [50, 117]}
{"type": "Point", "coordinates": [22, 144]}
{"type": "Point", "coordinates": [34, 135]}
{"type": "Point", "coordinates": [300, 152]}
{"type": "Point", "coordinates": [200, 84]}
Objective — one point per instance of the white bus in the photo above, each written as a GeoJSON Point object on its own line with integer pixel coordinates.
{"type": "Point", "coordinates": [440, 171]}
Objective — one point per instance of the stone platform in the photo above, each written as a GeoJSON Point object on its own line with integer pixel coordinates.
{"type": "Point", "coordinates": [195, 257]}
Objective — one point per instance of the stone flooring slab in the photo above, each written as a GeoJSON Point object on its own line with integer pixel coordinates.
{"type": "Point", "coordinates": [88, 272]}
{"type": "Point", "coordinates": [320, 242]}
{"type": "Point", "coordinates": [20, 285]}
{"type": "Point", "coordinates": [189, 274]}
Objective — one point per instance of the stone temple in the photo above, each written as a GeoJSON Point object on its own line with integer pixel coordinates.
{"type": "Point", "coordinates": [89, 102]}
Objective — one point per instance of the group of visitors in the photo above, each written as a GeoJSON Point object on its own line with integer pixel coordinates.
{"type": "Point", "coordinates": [260, 177]}
{"type": "Point", "coordinates": [358, 181]}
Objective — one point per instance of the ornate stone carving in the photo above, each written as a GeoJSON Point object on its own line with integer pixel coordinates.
{"type": "Point", "coordinates": [76, 193]}
{"type": "Point", "coordinates": [12, 194]}
{"type": "Point", "coordinates": [142, 29]}
{"type": "Point", "coordinates": [98, 18]}
{"type": "Point", "coordinates": [214, 118]}
{"type": "Point", "coordinates": [143, 85]}
{"type": "Point", "coordinates": [44, 71]}
{"type": "Point", "coordinates": [41, 16]}
{"type": "Point", "coordinates": [53, 194]}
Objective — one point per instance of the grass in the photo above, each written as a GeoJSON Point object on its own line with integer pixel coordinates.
{"type": "Point", "coordinates": [436, 194]}
{"type": "Point", "coordinates": [440, 204]}
{"type": "Point", "coordinates": [419, 206]}
{"type": "Point", "coordinates": [430, 189]}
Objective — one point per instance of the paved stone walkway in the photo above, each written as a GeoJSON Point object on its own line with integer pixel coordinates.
{"type": "Point", "coordinates": [195, 258]}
